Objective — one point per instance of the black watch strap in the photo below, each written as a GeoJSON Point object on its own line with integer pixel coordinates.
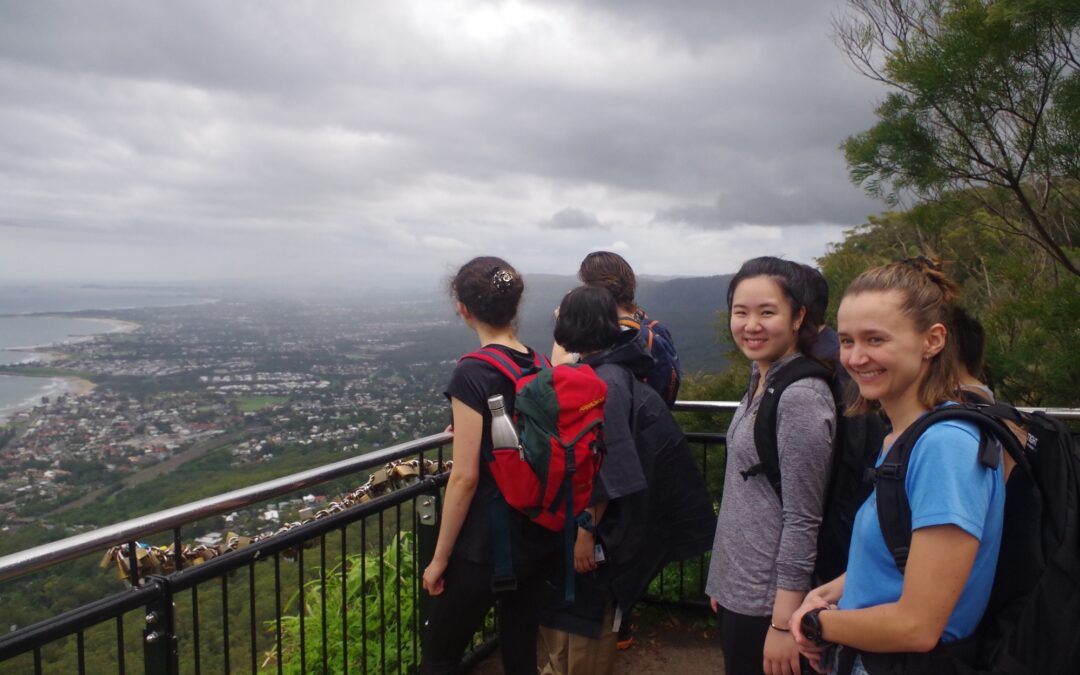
{"type": "Point", "coordinates": [811, 627]}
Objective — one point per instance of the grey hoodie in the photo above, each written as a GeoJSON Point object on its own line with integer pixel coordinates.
{"type": "Point", "coordinates": [759, 545]}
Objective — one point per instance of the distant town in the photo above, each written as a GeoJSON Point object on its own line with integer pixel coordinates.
{"type": "Point", "coordinates": [253, 381]}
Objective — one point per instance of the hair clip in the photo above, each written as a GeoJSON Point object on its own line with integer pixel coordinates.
{"type": "Point", "coordinates": [501, 279]}
{"type": "Point", "coordinates": [921, 262]}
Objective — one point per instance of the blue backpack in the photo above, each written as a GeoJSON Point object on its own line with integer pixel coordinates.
{"type": "Point", "coordinates": [665, 376]}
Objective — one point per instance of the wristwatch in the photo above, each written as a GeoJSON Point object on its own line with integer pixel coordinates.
{"type": "Point", "coordinates": [811, 627]}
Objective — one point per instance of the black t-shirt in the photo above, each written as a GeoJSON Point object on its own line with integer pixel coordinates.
{"type": "Point", "coordinates": [472, 383]}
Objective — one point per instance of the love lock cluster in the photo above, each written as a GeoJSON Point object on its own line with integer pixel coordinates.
{"type": "Point", "coordinates": [163, 559]}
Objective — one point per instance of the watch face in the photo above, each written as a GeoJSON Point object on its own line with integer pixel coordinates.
{"type": "Point", "coordinates": [811, 626]}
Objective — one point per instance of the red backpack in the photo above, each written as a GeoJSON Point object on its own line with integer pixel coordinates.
{"type": "Point", "coordinates": [558, 413]}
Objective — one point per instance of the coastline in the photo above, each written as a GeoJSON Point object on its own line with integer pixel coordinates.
{"type": "Point", "coordinates": [45, 354]}
{"type": "Point", "coordinates": [56, 386]}
{"type": "Point", "coordinates": [115, 326]}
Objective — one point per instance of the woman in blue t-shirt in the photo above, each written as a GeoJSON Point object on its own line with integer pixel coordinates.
{"type": "Point", "coordinates": [487, 292]}
{"type": "Point", "coordinates": [895, 343]}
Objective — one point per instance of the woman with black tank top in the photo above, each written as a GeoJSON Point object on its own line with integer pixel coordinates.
{"type": "Point", "coordinates": [487, 291]}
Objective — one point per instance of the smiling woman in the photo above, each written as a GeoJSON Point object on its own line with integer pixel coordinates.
{"type": "Point", "coordinates": [764, 551]}
{"type": "Point", "coordinates": [895, 343]}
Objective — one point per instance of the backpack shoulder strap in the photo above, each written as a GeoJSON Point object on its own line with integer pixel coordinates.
{"type": "Point", "coordinates": [894, 509]}
{"type": "Point", "coordinates": [629, 322]}
{"type": "Point", "coordinates": [505, 364]}
{"type": "Point", "coordinates": [765, 422]}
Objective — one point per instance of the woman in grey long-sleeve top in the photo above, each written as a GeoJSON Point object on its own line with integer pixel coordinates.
{"type": "Point", "coordinates": [764, 552]}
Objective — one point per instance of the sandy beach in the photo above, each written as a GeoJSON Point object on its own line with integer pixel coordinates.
{"type": "Point", "coordinates": [24, 396]}
{"type": "Point", "coordinates": [50, 387]}
{"type": "Point", "coordinates": [78, 386]}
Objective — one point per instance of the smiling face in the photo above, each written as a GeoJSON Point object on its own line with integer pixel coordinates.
{"type": "Point", "coordinates": [761, 321]}
{"type": "Point", "coordinates": [883, 350]}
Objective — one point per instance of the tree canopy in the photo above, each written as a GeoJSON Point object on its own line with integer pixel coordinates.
{"type": "Point", "coordinates": [983, 94]}
{"type": "Point", "coordinates": [1027, 304]}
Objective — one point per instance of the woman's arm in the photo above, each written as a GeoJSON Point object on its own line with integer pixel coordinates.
{"type": "Point", "coordinates": [468, 430]}
{"type": "Point", "coordinates": [806, 421]}
{"type": "Point", "coordinates": [805, 425]}
{"type": "Point", "coordinates": [937, 569]}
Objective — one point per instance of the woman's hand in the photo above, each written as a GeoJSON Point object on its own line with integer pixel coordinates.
{"type": "Point", "coordinates": [813, 600]}
{"type": "Point", "coordinates": [714, 605]}
{"type": "Point", "coordinates": [811, 651]}
{"type": "Point", "coordinates": [433, 580]}
{"type": "Point", "coordinates": [584, 551]}
{"type": "Point", "coordinates": [781, 655]}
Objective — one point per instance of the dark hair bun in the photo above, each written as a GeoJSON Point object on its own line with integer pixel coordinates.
{"type": "Point", "coordinates": [490, 288]}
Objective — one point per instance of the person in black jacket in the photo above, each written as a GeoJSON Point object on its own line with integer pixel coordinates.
{"type": "Point", "coordinates": [649, 505]}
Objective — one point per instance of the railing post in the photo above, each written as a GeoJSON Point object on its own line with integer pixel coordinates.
{"type": "Point", "coordinates": [160, 648]}
{"type": "Point", "coordinates": [427, 533]}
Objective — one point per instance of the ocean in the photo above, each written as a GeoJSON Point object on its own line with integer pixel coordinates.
{"type": "Point", "coordinates": [21, 328]}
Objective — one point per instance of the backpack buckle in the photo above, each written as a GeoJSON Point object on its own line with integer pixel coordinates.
{"type": "Point", "coordinates": [501, 583]}
{"type": "Point", "coordinates": [889, 471]}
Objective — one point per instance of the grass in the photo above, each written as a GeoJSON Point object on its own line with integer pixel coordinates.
{"type": "Point", "coordinates": [257, 403]}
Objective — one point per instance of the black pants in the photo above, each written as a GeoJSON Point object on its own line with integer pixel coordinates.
{"type": "Point", "coordinates": [459, 612]}
{"type": "Point", "coordinates": [742, 639]}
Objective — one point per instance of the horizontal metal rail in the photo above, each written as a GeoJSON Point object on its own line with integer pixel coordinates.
{"type": "Point", "coordinates": [96, 612]}
{"type": "Point", "coordinates": [25, 639]}
{"type": "Point", "coordinates": [46, 555]}
{"type": "Point", "coordinates": [730, 406]}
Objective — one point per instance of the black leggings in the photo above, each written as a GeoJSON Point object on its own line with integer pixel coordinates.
{"type": "Point", "coordinates": [742, 638]}
{"type": "Point", "coordinates": [459, 612]}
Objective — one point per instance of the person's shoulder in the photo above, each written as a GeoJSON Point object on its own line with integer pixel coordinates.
{"type": "Point", "coordinates": [477, 359]}
{"type": "Point", "coordinates": [949, 432]}
{"type": "Point", "coordinates": [808, 391]}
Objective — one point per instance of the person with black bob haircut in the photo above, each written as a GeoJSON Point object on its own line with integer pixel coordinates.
{"type": "Point", "coordinates": [970, 344]}
{"type": "Point", "coordinates": [592, 326]}
{"type": "Point", "coordinates": [486, 292]}
{"type": "Point", "coordinates": [649, 504]}
{"type": "Point", "coordinates": [816, 295]}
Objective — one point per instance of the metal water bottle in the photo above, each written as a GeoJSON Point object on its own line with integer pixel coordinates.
{"type": "Point", "coordinates": [503, 434]}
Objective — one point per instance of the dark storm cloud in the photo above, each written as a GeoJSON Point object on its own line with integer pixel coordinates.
{"type": "Point", "coordinates": [346, 128]}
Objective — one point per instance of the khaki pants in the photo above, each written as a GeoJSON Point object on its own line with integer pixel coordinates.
{"type": "Point", "coordinates": [570, 654]}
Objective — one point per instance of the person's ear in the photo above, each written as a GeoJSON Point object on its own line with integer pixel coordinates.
{"type": "Point", "coordinates": [935, 341]}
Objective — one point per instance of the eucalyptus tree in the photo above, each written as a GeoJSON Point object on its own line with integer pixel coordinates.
{"type": "Point", "coordinates": [982, 94]}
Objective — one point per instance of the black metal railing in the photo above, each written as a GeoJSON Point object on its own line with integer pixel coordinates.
{"type": "Point", "coordinates": [339, 594]}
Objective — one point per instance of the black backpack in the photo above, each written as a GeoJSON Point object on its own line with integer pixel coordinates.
{"type": "Point", "coordinates": [1031, 623]}
{"type": "Point", "coordinates": [665, 375]}
{"type": "Point", "coordinates": [855, 448]}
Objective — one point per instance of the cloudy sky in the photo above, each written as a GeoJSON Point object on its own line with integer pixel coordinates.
{"type": "Point", "coordinates": [336, 141]}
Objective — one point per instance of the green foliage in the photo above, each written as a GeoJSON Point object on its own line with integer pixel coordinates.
{"type": "Point", "coordinates": [1013, 286]}
{"type": "Point", "coordinates": [371, 581]}
{"type": "Point", "coordinates": [983, 94]}
{"type": "Point", "coordinates": [257, 403]}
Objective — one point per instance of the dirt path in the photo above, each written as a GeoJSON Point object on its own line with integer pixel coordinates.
{"type": "Point", "coordinates": [682, 642]}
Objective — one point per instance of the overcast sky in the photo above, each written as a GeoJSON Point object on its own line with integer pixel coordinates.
{"type": "Point", "coordinates": [334, 141]}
